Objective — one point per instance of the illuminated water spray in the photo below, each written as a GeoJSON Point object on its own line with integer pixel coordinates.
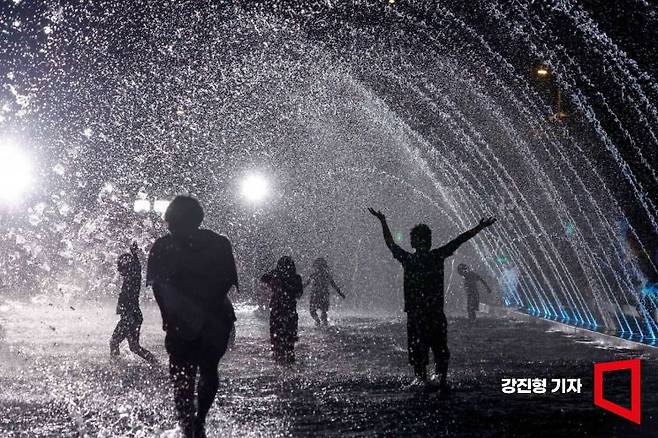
{"type": "Point", "coordinates": [15, 173]}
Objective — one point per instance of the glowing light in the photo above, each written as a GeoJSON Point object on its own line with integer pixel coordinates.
{"type": "Point", "coordinates": [255, 188]}
{"type": "Point", "coordinates": [543, 72]}
{"type": "Point", "coordinates": [501, 260]}
{"type": "Point", "coordinates": [142, 206]}
{"type": "Point", "coordinates": [15, 173]}
{"type": "Point", "coordinates": [570, 230]}
{"type": "Point", "coordinates": [160, 205]}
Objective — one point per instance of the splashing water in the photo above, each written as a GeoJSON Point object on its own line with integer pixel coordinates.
{"type": "Point", "coordinates": [417, 107]}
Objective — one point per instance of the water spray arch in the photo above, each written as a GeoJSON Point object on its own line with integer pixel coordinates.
{"type": "Point", "coordinates": [420, 87]}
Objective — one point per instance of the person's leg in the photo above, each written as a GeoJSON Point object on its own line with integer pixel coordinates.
{"type": "Point", "coordinates": [314, 311]}
{"type": "Point", "coordinates": [440, 350]}
{"type": "Point", "coordinates": [287, 347]}
{"type": "Point", "coordinates": [324, 307]}
{"type": "Point", "coordinates": [288, 338]}
{"type": "Point", "coordinates": [206, 392]}
{"type": "Point", "coordinates": [469, 304]}
{"type": "Point", "coordinates": [133, 343]}
{"type": "Point", "coordinates": [417, 349]}
{"type": "Point", "coordinates": [183, 376]}
{"type": "Point", "coordinates": [118, 336]}
{"type": "Point", "coordinates": [275, 335]}
{"type": "Point", "coordinates": [471, 313]}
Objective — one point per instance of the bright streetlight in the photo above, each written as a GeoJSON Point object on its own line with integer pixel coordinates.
{"type": "Point", "coordinates": [142, 206]}
{"type": "Point", "coordinates": [15, 173]}
{"type": "Point", "coordinates": [255, 188]}
{"type": "Point", "coordinates": [543, 72]}
{"type": "Point", "coordinates": [160, 206]}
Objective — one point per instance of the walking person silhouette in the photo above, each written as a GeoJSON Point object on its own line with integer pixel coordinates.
{"type": "Point", "coordinates": [191, 271]}
{"type": "Point", "coordinates": [286, 288]}
{"type": "Point", "coordinates": [321, 279]}
{"type": "Point", "coordinates": [471, 280]}
{"type": "Point", "coordinates": [130, 322]}
{"type": "Point", "coordinates": [427, 327]}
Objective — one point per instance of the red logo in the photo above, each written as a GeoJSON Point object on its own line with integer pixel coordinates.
{"type": "Point", "coordinates": [634, 413]}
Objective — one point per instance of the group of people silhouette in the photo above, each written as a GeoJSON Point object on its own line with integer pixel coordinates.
{"type": "Point", "coordinates": [191, 271]}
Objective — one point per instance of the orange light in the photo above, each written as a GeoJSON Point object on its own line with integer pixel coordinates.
{"type": "Point", "coordinates": [542, 71]}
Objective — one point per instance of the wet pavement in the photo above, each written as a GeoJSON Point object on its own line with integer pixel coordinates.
{"type": "Point", "coordinates": [351, 379]}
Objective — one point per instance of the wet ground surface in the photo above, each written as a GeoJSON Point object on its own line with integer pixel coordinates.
{"type": "Point", "coordinates": [352, 379]}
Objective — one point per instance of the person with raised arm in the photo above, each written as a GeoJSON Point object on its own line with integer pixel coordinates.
{"type": "Point", "coordinates": [130, 322]}
{"type": "Point", "coordinates": [427, 327]}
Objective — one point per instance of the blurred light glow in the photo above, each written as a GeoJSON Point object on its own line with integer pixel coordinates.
{"type": "Point", "coordinates": [255, 188]}
{"type": "Point", "coordinates": [542, 71]}
{"type": "Point", "coordinates": [142, 206]}
{"type": "Point", "coordinates": [160, 205]}
{"type": "Point", "coordinates": [15, 173]}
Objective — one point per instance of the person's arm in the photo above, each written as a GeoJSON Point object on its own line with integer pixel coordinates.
{"type": "Point", "coordinates": [335, 286]}
{"type": "Point", "coordinates": [267, 278]}
{"type": "Point", "coordinates": [233, 268]}
{"type": "Point", "coordinates": [484, 283]}
{"type": "Point", "coordinates": [398, 252]}
{"type": "Point", "coordinates": [454, 244]}
{"type": "Point", "coordinates": [299, 287]}
{"type": "Point", "coordinates": [134, 250]}
{"type": "Point", "coordinates": [153, 268]}
{"type": "Point", "coordinates": [160, 301]}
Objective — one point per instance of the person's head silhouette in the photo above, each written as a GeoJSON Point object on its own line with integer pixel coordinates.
{"type": "Point", "coordinates": [421, 237]}
{"type": "Point", "coordinates": [184, 215]}
{"type": "Point", "coordinates": [286, 266]}
{"type": "Point", "coordinates": [320, 264]}
{"type": "Point", "coordinates": [124, 264]}
{"type": "Point", "coordinates": [462, 269]}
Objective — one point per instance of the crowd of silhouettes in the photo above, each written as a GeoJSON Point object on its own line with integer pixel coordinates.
{"type": "Point", "coordinates": [192, 270]}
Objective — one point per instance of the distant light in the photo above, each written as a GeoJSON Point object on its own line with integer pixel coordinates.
{"type": "Point", "coordinates": [160, 205]}
{"type": "Point", "coordinates": [87, 132]}
{"type": "Point", "coordinates": [570, 230]}
{"type": "Point", "coordinates": [543, 71]}
{"type": "Point", "coordinates": [180, 112]}
{"type": "Point", "coordinates": [501, 260]}
{"type": "Point", "coordinates": [142, 206]}
{"type": "Point", "coordinates": [15, 173]}
{"type": "Point", "coordinates": [255, 188]}
{"type": "Point", "coordinates": [391, 2]}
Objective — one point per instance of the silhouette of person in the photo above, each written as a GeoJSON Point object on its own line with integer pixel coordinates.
{"type": "Point", "coordinates": [191, 271]}
{"type": "Point", "coordinates": [321, 279]}
{"type": "Point", "coordinates": [471, 280]}
{"type": "Point", "coordinates": [130, 322]}
{"type": "Point", "coordinates": [286, 288]}
{"type": "Point", "coordinates": [424, 296]}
